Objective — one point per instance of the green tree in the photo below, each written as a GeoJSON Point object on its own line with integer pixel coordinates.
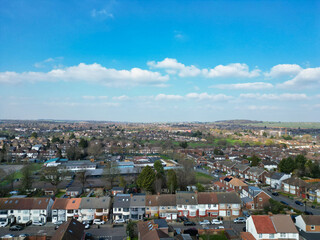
{"type": "Point", "coordinates": [34, 135]}
{"type": "Point", "coordinates": [158, 168]}
{"type": "Point", "coordinates": [122, 181]}
{"type": "Point", "coordinates": [146, 179]}
{"type": "Point", "coordinates": [300, 164]}
{"type": "Point", "coordinates": [254, 160]}
{"type": "Point", "coordinates": [264, 134]}
{"type": "Point", "coordinates": [83, 143]}
{"type": "Point", "coordinates": [287, 165]}
{"type": "Point", "coordinates": [184, 145]}
{"type": "Point", "coordinates": [131, 229]}
{"type": "Point", "coordinates": [200, 187]}
{"type": "Point", "coordinates": [172, 182]}
{"type": "Point", "coordinates": [72, 136]}
{"type": "Point", "coordinates": [274, 206]}
{"type": "Point", "coordinates": [55, 140]}
{"type": "Point", "coordinates": [26, 179]}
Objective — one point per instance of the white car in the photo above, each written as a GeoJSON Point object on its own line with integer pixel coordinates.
{"type": "Point", "coordinates": [98, 221]}
{"type": "Point", "coordinates": [8, 236]}
{"type": "Point", "coordinates": [216, 221]}
{"type": "Point", "coordinates": [3, 224]}
{"type": "Point", "coordinates": [37, 223]}
{"type": "Point", "coordinates": [121, 220]}
{"type": "Point", "coordinates": [204, 222]}
{"type": "Point", "coordinates": [219, 227]}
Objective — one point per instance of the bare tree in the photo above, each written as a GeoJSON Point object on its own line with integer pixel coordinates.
{"type": "Point", "coordinates": [111, 172]}
{"type": "Point", "coordinates": [82, 176]}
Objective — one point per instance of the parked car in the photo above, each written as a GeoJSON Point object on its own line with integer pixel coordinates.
{"type": "Point", "coordinates": [189, 223]}
{"type": "Point", "coordinates": [244, 229]}
{"type": "Point", "coordinates": [219, 227]}
{"type": "Point", "coordinates": [216, 221]}
{"type": "Point", "coordinates": [191, 231]}
{"type": "Point", "coordinates": [88, 236]}
{"type": "Point", "coordinates": [8, 236]}
{"type": "Point", "coordinates": [299, 203]}
{"type": "Point", "coordinates": [184, 219]}
{"type": "Point", "coordinates": [3, 224]}
{"type": "Point", "coordinates": [313, 206]}
{"type": "Point", "coordinates": [37, 223]}
{"type": "Point", "coordinates": [308, 213]}
{"type": "Point", "coordinates": [121, 220]}
{"type": "Point", "coordinates": [284, 203]}
{"type": "Point", "coordinates": [16, 228]}
{"type": "Point", "coordinates": [58, 222]}
{"type": "Point", "coordinates": [24, 235]}
{"type": "Point", "coordinates": [86, 225]}
{"type": "Point", "coordinates": [204, 222]}
{"type": "Point", "coordinates": [98, 221]}
{"type": "Point", "coordinates": [275, 194]}
{"type": "Point", "coordinates": [240, 220]}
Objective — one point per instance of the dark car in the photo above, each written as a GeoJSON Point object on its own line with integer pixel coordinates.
{"type": "Point", "coordinates": [189, 223]}
{"type": "Point", "coordinates": [16, 228]}
{"type": "Point", "coordinates": [299, 203]}
{"type": "Point", "coordinates": [183, 219]}
{"type": "Point", "coordinates": [191, 231]}
{"type": "Point", "coordinates": [308, 213]}
{"type": "Point", "coordinates": [28, 223]}
{"type": "Point", "coordinates": [313, 206]}
{"type": "Point", "coordinates": [275, 194]}
{"type": "Point", "coordinates": [284, 203]}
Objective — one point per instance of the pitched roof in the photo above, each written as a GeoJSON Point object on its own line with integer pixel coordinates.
{"type": "Point", "coordinates": [152, 200]}
{"type": "Point", "coordinates": [241, 167]}
{"type": "Point", "coordinates": [207, 198]}
{"type": "Point", "coordinates": [149, 230]}
{"type": "Point", "coordinates": [23, 203]}
{"type": "Point", "coordinates": [99, 202]}
{"type": "Point", "coordinates": [237, 182]}
{"type": "Point", "coordinates": [186, 198]}
{"type": "Point", "coordinates": [277, 175]}
{"type": "Point", "coordinates": [167, 200]}
{"type": "Point", "coordinates": [138, 201]}
{"type": "Point", "coordinates": [256, 170]}
{"type": "Point", "coordinates": [121, 201]}
{"type": "Point", "coordinates": [294, 181]}
{"type": "Point", "coordinates": [72, 229]}
{"type": "Point", "coordinates": [66, 203]}
{"type": "Point", "coordinates": [283, 224]}
{"type": "Point", "coordinates": [228, 197]}
{"type": "Point", "coordinates": [311, 219]}
{"type": "Point", "coordinates": [263, 224]}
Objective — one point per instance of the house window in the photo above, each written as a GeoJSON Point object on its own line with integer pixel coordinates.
{"type": "Point", "coordinates": [271, 236]}
{"type": "Point", "coordinates": [260, 235]}
{"type": "Point", "coordinates": [260, 199]}
{"type": "Point", "coordinates": [313, 227]}
{"type": "Point", "coordinates": [283, 235]}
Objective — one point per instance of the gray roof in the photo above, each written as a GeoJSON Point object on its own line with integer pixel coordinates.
{"type": "Point", "coordinates": [138, 201]}
{"type": "Point", "coordinates": [230, 197]}
{"type": "Point", "coordinates": [91, 202]}
{"type": "Point", "coordinates": [246, 200]}
{"type": "Point", "coordinates": [241, 167]}
{"type": "Point", "coordinates": [186, 198]}
{"type": "Point", "coordinates": [121, 201]}
{"type": "Point", "coordinates": [277, 175]}
{"type": "Point", "coordinates": [162, 223]}
{"type": "Point", "coordinates": [256, 170]}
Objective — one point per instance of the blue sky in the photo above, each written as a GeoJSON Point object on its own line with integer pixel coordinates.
{"type": "Point", "coordinates": [160, 60]}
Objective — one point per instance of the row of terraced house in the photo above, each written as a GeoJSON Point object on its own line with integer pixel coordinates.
{"type": "Point", "coordinates": [125, 206]}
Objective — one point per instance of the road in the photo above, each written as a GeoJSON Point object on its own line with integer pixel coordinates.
{"type": "Point", "coordinates": [293, 204]}
{"type": "Point", "coordinates": [104, 232]}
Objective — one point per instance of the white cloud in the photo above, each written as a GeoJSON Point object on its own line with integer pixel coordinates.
{"type": "Point", "coordinates": [206, 96]}
{"type": "Point", "coordinates": [49, 62]}
{"type": "Point", "coordinates": [309, 77]}
{"type": "Point", "coordinates": [232, 70]}
{"type": "Point", "coordinates": [102, 13]}
{"type": "Point", "coordinates": [245, 86]}
{"type": "Point", "coordinates": [280, 97]}
{"type": "Point", "coordinates": [284, 70]}
{"type": "Point", "coordinates": [172, 66]}
{"type": "Point", "coordinates": [94, 97]}
{"type": "Point", "coordinates": [93, 73]}
{"type": "Point", "coordinates": [178, 35]}
{"type": "Point", "coordinates": [162, 96]}
{"type": "Point", "coordinates": [256, 107]}
{"type": "Point", "coordinates": [121, 98]}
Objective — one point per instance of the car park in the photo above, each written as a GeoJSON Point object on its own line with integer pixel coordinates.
{"type": "Point", "coordinates": [299, 203]}
{"type": "Point", "coordinates": [216, 221]}
{"type": "Point", "coordinates": [239, 220]}
{"type": "Point", "coordinates": [189, 223]}
{"type": "Point", "coordinates": [16, 228]}
{"type": "Point", "coordinates": [98, 222]}
{"type": "Point", "coordinates": [204, 222]}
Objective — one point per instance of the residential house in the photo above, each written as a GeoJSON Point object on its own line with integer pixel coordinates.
{"type": "Point", "coordinates": [117, 190]}
{"type": "Point", "coordinates": [318, 195]}
{"type": "Point", "coordinates": [240, 170]}
{"type": "Point", "coordinates": [22, 210]}
{"type": "Point", "coordinates": [137, 207]}
{"type": "Point", "coordinates": [229, 204]}
{"type": "Point", "coordinates": [208, 204]}
{"type": "Point", "coordinates": [312, 191]}
{"type": "Point", "coordinates": [255, 198]}
{"type": "Point", "coordinates": [121, 206]}
{"type": "Point", "coordinates": [233, 183]}
{"type": "Point", "coordinates": [294, 186]}
{"type": "Point", "coordinates": [187, 204]}
{"type": "Point", "coordinates": [66, 208]}
{"type": "Point", "coordinates": [152, 205]}
{"type": "Point", "coordinates": [269, 165]}
{"type": "Point", "coordinates": [308, 223]}
{"type": "Point", "coordinates": [271, 227]}
{"type": "Point", "coordinates": [154, 230]}
{"type": "Point", "coordinates": [168, 207]}
{"type": "Point", "coordinates": [74, 191]}
{"type": "Point", "coordinates": [95, 208]}
{"type": "Point", "coordinates": [256, 174]}
{"type": "Point", "coordinates": [72, 229]}
{"type": "Point", "coordinates": [227, 166]}
{"type": "Point", "coordinates": [275, 179]}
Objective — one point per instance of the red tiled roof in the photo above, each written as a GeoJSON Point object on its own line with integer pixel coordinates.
{"type": "Point", "coordinates": [263, 224]}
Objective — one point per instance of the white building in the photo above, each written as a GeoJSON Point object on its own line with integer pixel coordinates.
{"type": "Point", "coordinates": [95, 208]}
{"type": "Point", "coordinates": [65, 208]}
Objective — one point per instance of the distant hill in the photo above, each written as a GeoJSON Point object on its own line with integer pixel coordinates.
{"type": "Point", "coordinates": [238, 122]}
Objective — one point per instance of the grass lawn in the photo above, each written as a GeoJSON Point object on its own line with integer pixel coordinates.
{"type": "Point", "coordinates": [203, 178]}
{"type": "Point", "coordinates": [287, 195]}
{"type": "Point", "coordinates": [214, 237]}
{"type": "Point", "coordinates": [60, 194]}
